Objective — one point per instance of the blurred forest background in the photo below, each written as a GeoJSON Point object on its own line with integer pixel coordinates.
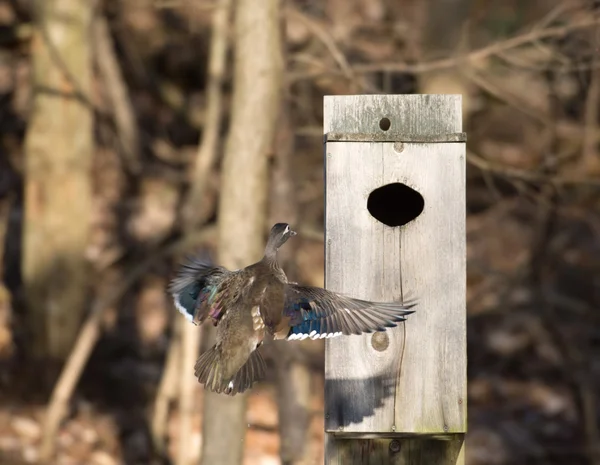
{"type": "Point", "coordinates": [135, 131]}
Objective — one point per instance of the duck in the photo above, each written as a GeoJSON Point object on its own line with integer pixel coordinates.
{"type": "Point", "coordinates": [255, 302]}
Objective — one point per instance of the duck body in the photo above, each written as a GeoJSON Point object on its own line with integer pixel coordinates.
{"type": "Point", "coordinates": [248, 304]}
{"type": "Point", "coordinates": [231, 300]}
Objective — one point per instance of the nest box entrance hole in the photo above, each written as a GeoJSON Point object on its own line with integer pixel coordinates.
{"type": "Point", "coordinates": [395, 204]}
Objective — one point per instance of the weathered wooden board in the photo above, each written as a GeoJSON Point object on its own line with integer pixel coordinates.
{"type": "Point", "coordinates": [417, 383]}
{"type": "Point", "coordinates": [424, 115]}
{"type": "Point", "coordinates": [415, 451]}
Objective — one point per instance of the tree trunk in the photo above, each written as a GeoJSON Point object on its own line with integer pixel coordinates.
{"type": "Point", "coordinates": [195, 213]}
{"type": "Point", "coordinates": [242, 208]}
{"type": "Point", "coordinates": [293, 374]}
{"type": "Point", "coordinates": [293, 378]}
{"type": "Point", "coordinates": [58, 149]}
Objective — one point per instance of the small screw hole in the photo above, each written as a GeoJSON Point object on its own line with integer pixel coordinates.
{"type": "Point", "coordinates": [385, 124]}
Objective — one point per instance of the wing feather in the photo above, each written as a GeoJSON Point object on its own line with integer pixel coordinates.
{"type": "Point", "coordinates": [197, 290]}
{"type": "Point", "coordinates": [316, 312]}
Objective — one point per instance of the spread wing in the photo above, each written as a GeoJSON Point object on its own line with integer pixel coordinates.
{"type": "Point", "coordinates": [197, 289]}
{"type": "Point", "coordinates": [317, 313]}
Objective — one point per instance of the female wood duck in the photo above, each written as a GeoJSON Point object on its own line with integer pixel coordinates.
{"type": "Point", "coordinates": [246, 304]}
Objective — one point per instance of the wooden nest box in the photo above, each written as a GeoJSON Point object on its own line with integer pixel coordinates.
{"type": "Point", "coordinates": [395, 229]}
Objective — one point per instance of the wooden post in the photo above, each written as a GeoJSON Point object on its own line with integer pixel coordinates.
{"type": "Point", "coordinates": [397, 397]}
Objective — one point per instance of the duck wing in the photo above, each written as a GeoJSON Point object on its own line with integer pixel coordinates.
{"type": "Point", "coordinates": [316, 313]}
{"type": "Point", "coordinates": [198, 289]}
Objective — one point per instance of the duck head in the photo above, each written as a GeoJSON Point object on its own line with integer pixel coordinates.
{"type": "Point", "coordinates": [278, 236]}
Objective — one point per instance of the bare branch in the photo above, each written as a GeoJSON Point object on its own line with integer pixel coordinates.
{"type": "Point", "coordinates": [189, 347]}
{"type": "Point", "coordinates": [525, 175]}
{"type": "Point", "coordinates": [195, 211]}
{"type": "Point", "coordinates": [327, 40]}
{"type": "Point", "coordinates": [590, 127]}
{"type": "Point", "coordinates": [167, 389]}
{"type": "Point", "coordinates": [471, 57]}
{"type": "Point", "coordinates": [125, 121]}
